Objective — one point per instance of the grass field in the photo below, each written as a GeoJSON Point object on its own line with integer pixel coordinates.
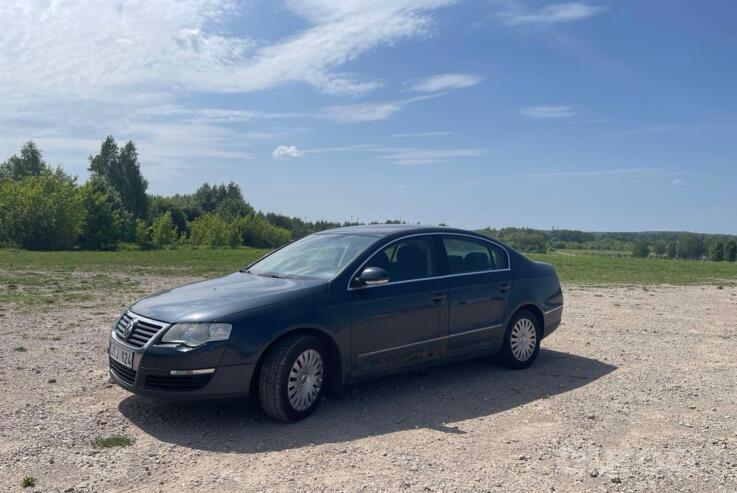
{"type": "Point", "coordinates": [590, 269]}
{"type": "Point", "coordinates": [155, 262]}
{"type": "Point", "coordinates": [21, 267]}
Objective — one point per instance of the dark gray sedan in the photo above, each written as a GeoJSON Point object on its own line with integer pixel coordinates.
{"type": "Point", "coordinates": [336, 307]}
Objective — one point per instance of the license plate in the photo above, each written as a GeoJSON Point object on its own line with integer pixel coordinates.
{"type": "Point", "coordinates": [121, 354]}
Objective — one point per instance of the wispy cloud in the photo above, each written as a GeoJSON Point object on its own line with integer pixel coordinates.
{"type": "Point", "coordinates": [362, 112]}
{"type": "Point", "coordinates": [677, 181]}
{"type": "Point", "coordinates": [100, 46]}
{"type": "Point", "coordinates": [285, 152]}
{"type": "Point", "coordinates": [443, 82]}
{"type": "Point", "coordinates": [552, 14]}
{"type": "Point", "coordinates": [548, 111]}
{"type": "Point", "coordinates": [369, 111]}
{"type": "Point", "coordinates": [595, 172]}
{"type": "Point", "coordinates": [75, 68]}
{"type": "Point", "coordinates": [387, 154]}
{"type": "Point", "coordinates": [422, 134]}
{"type": "Point", "coordinates": [428, 156]}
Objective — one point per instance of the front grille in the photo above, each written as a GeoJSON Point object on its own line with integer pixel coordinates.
{"type": "Point", "coordinates": [123, 372]}
{"type": "Point", "coordinates": [141, 334]}
{"type": "Point", "coordinates": [177, 383]}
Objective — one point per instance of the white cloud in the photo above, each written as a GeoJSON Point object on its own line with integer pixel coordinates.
{"type": "Point", "coordinates": [370, 111]}
{"type": "Point", "coordinates": [286, 152]}
{"type": "Point", "coordinates": [428, 156]}
{"type": "Point", "coordinates": [423, 134]}
{"type": "Point", "coordinates": [74, 71]}
{"type": "Point", "coordinates": [86, 47]}
{"type": "Point", "coordinates": [392, 155]}
{"type": "Point", "coordinates": [595, 172]}
{"type": "Point", "coordinates": [548, 111]}
{"type": "Point", "coordinates": [362, 112]}
{"type": "Point", "coordinates": [677, 181]}
{"type": "Point", "coordinates": [444, 82]}
{"type": "Point", "coordinates": [552, 14]}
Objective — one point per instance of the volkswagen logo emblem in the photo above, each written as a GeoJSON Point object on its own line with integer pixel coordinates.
{"type": "Point", "coordinates": [129, 328]}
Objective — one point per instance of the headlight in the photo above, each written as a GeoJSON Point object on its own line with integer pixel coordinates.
{"type": "Point", "coordinates": [196, 334]}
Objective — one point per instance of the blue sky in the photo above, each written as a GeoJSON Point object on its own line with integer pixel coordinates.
{"type": "Point", "coordinates": [586, 115]}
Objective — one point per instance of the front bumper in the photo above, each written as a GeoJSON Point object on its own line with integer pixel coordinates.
{"type": "Point", "coordinates": [226, 381]}
{"type": "Point", "coordinates": [159, 369]}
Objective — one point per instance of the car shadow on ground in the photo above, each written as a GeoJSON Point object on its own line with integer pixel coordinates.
{"type": "Point", "coordinates": [433, 398]}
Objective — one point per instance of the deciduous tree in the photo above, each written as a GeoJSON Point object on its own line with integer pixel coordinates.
{"type": "Point", "coordinates": [163, 231]}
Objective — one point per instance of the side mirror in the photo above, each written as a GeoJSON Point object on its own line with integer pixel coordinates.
{"type": "Point", "coordinates": [373, 276]}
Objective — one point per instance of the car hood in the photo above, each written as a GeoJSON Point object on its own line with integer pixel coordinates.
{"type": "Point", "coordinates": [215, 299]}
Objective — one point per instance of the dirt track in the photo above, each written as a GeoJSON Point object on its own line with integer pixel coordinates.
{"type": "Point", "coordinates": [636, 391]}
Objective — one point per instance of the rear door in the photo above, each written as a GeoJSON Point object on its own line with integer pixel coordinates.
{"type": "Point", "coordinates": [404, 321]}
{"type": "Point", "coordinates": [479, 286]}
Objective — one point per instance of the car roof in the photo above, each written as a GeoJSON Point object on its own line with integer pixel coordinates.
{"type": "Point", "coordinates": [382, 230]}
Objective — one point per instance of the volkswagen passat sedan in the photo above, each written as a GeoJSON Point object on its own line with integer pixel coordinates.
{"type": "Point", "coordinates": [336, 307]}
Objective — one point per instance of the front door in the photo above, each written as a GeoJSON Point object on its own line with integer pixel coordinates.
{"type": "Point", "coordinates": [404, 321]}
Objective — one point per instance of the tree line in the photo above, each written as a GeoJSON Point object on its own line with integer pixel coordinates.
{"type": "Point", "coordinates": [661, 244]}
{"type": "Point", "coordinates": [44, 208]}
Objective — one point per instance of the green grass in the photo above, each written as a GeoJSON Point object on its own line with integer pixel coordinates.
{"type": "Point", "coordinates": [45, 278]}
{"type": "Point", "coordinates": [38, 279]}
{"type": "Point", "coordinates": [28, 482]}
{"type": "Point", "coordinates": [156, 262]}
{"type": "Point", "coordinates": [590, 269]}
{"type": "Point", "coordinates": [113, 441]}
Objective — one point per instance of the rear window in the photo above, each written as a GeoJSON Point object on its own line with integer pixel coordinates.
{"type": "Point", "coordinates": [469, 255]}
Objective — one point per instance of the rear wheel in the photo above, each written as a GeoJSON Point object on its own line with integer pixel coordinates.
{"type": "Point", "coordinates": [521, 341]}
{"type": "Point", "coordinates": [292, 377]}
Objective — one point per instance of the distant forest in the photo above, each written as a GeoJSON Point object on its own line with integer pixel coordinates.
{"type": "Point", "coordinates": [44, 208]}
{"type": "Point", "coordinates": [663, 244]}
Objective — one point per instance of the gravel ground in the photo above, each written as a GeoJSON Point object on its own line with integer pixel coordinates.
{"type": "Point", "coordinates": [636, 391]}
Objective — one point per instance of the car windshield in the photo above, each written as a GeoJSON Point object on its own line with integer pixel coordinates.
{"type": "Point", "coordinates": [320, 255]}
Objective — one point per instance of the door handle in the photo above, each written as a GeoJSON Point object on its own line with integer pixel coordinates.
{"type": "Point", "coordinates": [438, 297]}
{"type": "Point", "coordinates": [503, 288]}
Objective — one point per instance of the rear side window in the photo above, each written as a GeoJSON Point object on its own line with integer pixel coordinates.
{"type": "Point", "coordinates": [469, 255]}
{"type": "Point", "coordinates": [406, 260]}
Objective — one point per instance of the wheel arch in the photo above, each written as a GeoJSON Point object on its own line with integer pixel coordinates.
{"type": "Point", "coordinates": [535, 310]}
{"type": "Point", "coordinates": [334, 356]}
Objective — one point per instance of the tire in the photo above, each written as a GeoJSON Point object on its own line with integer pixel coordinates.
{"type": "Point", "coordinates": [519, 351]}
{"type": "Point", "coordinates": [294, 367]}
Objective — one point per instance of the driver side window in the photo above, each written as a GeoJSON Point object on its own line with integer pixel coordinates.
{"type": "Point", "coordinates": [406, 260]}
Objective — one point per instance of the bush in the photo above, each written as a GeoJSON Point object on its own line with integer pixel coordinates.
{"type": "Point", "coordinates": [257, 232]}
{"type": "Point", "coordinates": [101, 226]}
{"type": "Point", "coordinates": [670, 250]}
{"type": "Point", "coordinates": [716, 251]}
{"type": "Point", "coordinates": [640, 249]}
{"type": "Point", "coordinates": [163, 231]}
{"type": "Point", "coordinates": [41, 212]}
{"type": "Point", "coordinates": [143, 235]}
{"type": "Point", "coordinates": [690, 246]}
{"type": "Point", "coordinates": [523, 239]}
{"type": "Point", "coordinates": [659, 248]}
{"type": "Point", "coordinates": [730, 251]}
{"type": "Point", "coordinates": [209, 230]}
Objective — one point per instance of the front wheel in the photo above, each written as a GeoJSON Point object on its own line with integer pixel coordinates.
{"type": "Point", "coordinates": [292, 377]}
{"type": "Point", "coordinates": [521, 341]}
